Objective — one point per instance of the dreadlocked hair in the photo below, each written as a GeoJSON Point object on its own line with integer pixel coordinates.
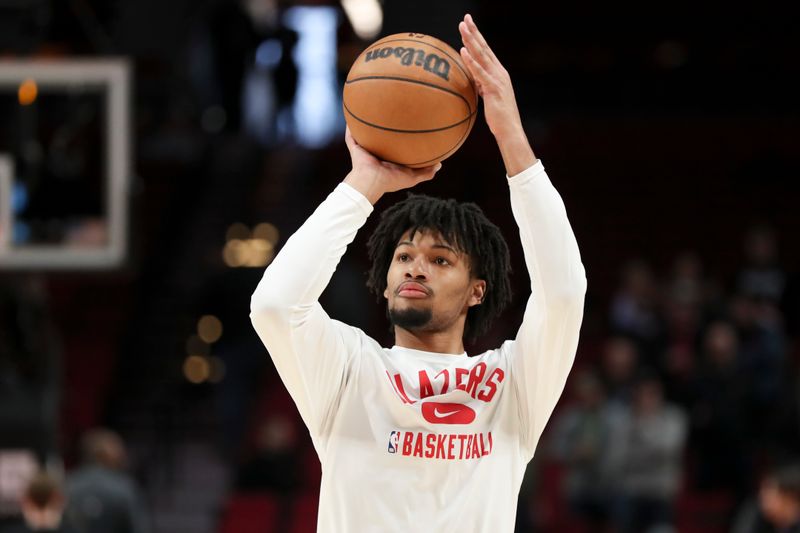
{"type": "Point", "coordinates": [462, 225]}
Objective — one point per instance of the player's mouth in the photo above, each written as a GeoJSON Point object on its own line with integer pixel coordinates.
{"type": "Point", "coordinates": [412, 289]}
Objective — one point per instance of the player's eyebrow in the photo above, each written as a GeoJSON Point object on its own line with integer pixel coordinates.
{"type": "Point", "coordinates": [446, 247]}
{"type": "Point", "coordinates": [435, 245]}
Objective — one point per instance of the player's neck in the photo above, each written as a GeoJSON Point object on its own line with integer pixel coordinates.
{"type": "Point", "coordinates": [444, 342]}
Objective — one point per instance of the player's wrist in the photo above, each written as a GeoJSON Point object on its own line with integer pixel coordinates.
{"type": "Point", "coordinates": [517, 154]}
{"type": "Point", "coordinates": [366, 183]}
{"type": "Point", "coordinates": [510, 131]}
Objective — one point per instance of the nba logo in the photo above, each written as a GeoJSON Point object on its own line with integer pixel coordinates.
{"type": "Point", "coordinates": [394, 439]}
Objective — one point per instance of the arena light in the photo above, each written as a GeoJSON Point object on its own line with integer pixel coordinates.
{"type": "Point", "coordinates": [267, 232]}
{"type": "Point", "coordinates": [209, 328]}
{"type": "Point", "coordinates": [235, 253]}
{"type": "Point", "coordinates": [196, 369]}
{"type": "Point", "coordinates": [366, 17]}
{"type": "Point", "coordinates": [250, 249]}
{"type": "Point", "coordinates": [237, 230]}
{"type": "Point", "coordinates": [27, 92]}
{"type": "Point", "coordinates": [317, 109]}
{"type": "Point", "coordinates": [259, 253]}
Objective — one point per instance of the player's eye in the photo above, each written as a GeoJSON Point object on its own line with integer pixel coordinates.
{"type": "Point", "coordinates": [441, 261]}
{"type": "Point", "coordinates": [403, 257]}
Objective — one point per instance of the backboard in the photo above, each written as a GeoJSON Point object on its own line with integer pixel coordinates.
{"type": "Point", "coordinates": [65, 164]}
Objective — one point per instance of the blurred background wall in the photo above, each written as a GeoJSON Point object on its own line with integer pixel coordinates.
{"type": "Point", "coordinates": [670, 129]}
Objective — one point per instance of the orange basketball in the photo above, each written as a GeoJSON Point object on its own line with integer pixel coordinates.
{"type": "Point", "coordinates": [408, 99]}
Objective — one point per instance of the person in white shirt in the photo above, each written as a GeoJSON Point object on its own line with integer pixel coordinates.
{"type": "Point", "coordinates": [421, 436]}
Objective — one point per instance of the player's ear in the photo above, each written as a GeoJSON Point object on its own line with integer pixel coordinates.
{"type": "Point", "coordinates": [478, 292]}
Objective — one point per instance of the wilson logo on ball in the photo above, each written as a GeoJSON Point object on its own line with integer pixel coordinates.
{"type": "Point", "coordinates": [412, 56]}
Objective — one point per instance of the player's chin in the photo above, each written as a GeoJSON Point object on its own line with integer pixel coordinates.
{"type": "Point", "coordinates": [410, 317]}
{"type": "Point", "coordinates": [413, 305]}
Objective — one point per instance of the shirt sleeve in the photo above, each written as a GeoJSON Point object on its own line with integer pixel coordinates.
{"type": "Point", "coordinates": [311, 351]}
{"type": "Point", "coordinates": [543, 351]}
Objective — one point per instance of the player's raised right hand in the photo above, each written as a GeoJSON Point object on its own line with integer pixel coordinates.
{"type": "Point", "coordinates": [373, 177]}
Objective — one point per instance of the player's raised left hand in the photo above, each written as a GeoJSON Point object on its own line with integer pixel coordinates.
{"type": "Point", "coordinates": [499, 102]}
{"type": "Point", "coordinates": [491, 78]}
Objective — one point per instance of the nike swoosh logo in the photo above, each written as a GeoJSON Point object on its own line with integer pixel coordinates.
{"type": "Point", "coordinates": [447, 413]}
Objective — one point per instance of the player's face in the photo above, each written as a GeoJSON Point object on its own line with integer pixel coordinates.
{"type": "Point", "coordinates": [429, 285]}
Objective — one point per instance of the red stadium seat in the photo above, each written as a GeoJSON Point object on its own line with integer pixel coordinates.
{"type": "Point", "coordinates": [703, 512]}
{"type": "Point", "coordinates": [250, 513]}
{"type": "Point", "coordinates": [304, 514]}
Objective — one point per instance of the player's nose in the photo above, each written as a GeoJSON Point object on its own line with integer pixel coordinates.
{"type": "Point", "coordinates": [416, 269]}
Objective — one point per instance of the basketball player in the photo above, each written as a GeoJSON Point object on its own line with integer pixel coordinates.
{"type": "Point", "coordinates": [420, 436]}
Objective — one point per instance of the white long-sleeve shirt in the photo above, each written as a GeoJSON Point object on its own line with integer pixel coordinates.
{"type": "Point", "coordinates": [411, 440]}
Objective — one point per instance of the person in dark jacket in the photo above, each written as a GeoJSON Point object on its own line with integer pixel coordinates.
{"type": "Point", "coordinates": [101, 497]}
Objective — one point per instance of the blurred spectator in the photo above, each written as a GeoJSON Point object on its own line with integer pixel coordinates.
{"type": "Point", "coordinates": [688, 283]}
{"type": "Point", "coordinates": [777, 507]}
{"type": "Point", "coordinates": [645, 458]}
{"type": "Point", "coordinates": [620, 362]}
{"type": "Point", "coordinates": [102, 498]}
{"type": "Point", "coordinates": [275, 466]}
{"type": "Point", "coordinates": [580, 441]}
{"type": "Point", "coordinates": [720, 431]}
{"type": "Point", "coordinates": [42, 504]}
{"type": "Point", "coordinates": [634, 310]}
{"type": "Point", "coordinates": [761, 277]}
{"type": "Point", "coordinates": [684, 304]}
{"type": "Point", "coordinates": [759, 324]}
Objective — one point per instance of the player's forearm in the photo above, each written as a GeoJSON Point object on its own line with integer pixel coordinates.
{"type": "Point", "coordinates": [515, 149]}
{"type": "Point", "coordinates": [303, 268]}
